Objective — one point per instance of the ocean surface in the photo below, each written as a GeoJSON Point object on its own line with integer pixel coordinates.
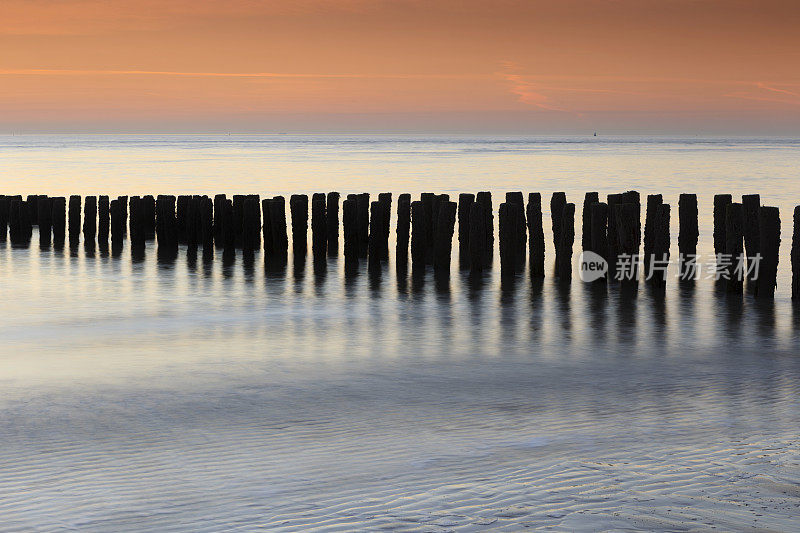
{"type": "Point", "coordinates": [140, 395]}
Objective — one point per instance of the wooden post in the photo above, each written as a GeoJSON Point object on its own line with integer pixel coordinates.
{"type": "Point", "coordinates": [599, 237]}
{"type": "Point", "coordinates": [687, 235]}
{"type": "Point", "coordinates": [613, 200]}
{"type": "Point", "coordinates": [251, 223]}
{"type": "Point", "coordinates": [734, 247]}
{"type": "Point", "coordinates": [102, 219]}
{"type": "Point", "coordinates": [266, 228]}
{"type": "Point", "coordinates": [375, 235]}
{"type": "Point", "coordinates": [147, 217]}
{"type": "Point", "coordinates": [661, 242]}
{"type": "Point", "coordinates": [535, 234]}
{"type": "Point", "coordinates": [20, 223]}
{"type": "Point", "coordinates": [721, 203]}
{"type": "Point", "coordinates": [237, 220]}
{"type": "Point", "coordinates": [654, 202]}
{"type": "Point", "coordinates": [507, 230]}
{"type": "Point", "coordinates": [45, 218]}
{"type": "Point", "coordinates": [192, 225]}
{"type": "Point", "coordinates": [351, 232]}
{"type": "Point", "coordinates": [362, 204]}
{"type": "Point", "coordinates": [796, 255]}
{"type": "Point", "coordinates": [319, 226]}
{"type": "Point", "coordinates": [751, 203]}
{"type": "Point", "coordinates": [90, 218]}
{"type": "Point", "coordinates": [277, 217]}
{"type": "Point", "coordinates": [428, 200]}
{"type": "Point", "coordinates": [117, 225]}
{"type": "Point", "coordinates": [385, 200]}
{"type": "Point", "coordinates": [769, 222]}
{"type": "Point", "coordinates": [219, 208]}
{"type": "Point", "coordinates": [557, 203]}
{"type": "Point", "coordinates": [298, 207]}
{"type": "Point", "coordinates": [5, 207]}
{"type": "Point", "coordinates": [565, 244]}
{"type": "Point", "coordinates": [136, 222]}
{"type": "Point", "coordinates": [123, 204]}
{"type": "Point", "coordinates": [332, 223]}
{"type": "Point", "coordinates": [74, 218]}
{"type": "Point", "coordinates": [628, 227]}
{"type": "Point", "coordinates": [485, 199]}
{"type": "Point", "coordinates": [207, 227]}
{"type": "Point", "coordinates": [419, 234]}
{"type": "Point", "coordinates": [465, 201]}
{"type": "Point", "coordinates": [59, 220]}
{"type": "Point", "coordinates": [589, 199]}
{"type": "Point", "coordinates": [166, 230]}
{"type": "Point", "coordinates": [516, 198]}
{"type": "Point", "coordinates": [444, 238]}
{"type": "Point", "coordinates": [403, 229]}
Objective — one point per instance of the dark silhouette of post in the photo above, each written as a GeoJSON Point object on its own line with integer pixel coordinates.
{"type": "Point", "coordinates": [375, 235]}
{"type": "Point", "coordinates": [332, 222]}
{"type": "Point", "coordinates": [734, 247]}
{"type": "Point", "coordinates": [147, 217]}
{"type": "Point", "coordinates": [90, 218]}
{"type": "Point", "coordinates": [628, 238]}
{"type": "Point", "coordinates": [557, 203]}
{"type": "Point", "coordinates": [181, 217]}
{"type": "Point", "coordinates": [565, 243]}
{"type": "Point", "coordinates": [102, 219]}
{"type": "Point", "coordinates": [403, 229]}
{"type": "Point", "coordinates": [45, 218]}
{"type": "Point", "coordinates": [5, 208]}
{"type": "Point", "coordinates": [74, 218]}
{"type": "Point", "coordinates": [721, 203]}
{"type": "Point", "coordinates": [535, 234]}
{"type": "Point", "coordinates": [521, 231]}
{"type": "Point", "coordinates": [769, 222]}
{"type": "Point", "coordinates": [166, 226]}
{"type": "Point", "coordinates": [219, 208]}
{"type": "Point", "coordinates": [117, 226]}
{"type": "Point", "coordinates": [796, 255]}
{"type": "Point", "coordinates": [319, 225]}
{"type": "Point", "coordinates": [465, 201]}
{"type": "Point", "coordinates": [362, 204]}
{"type": "Point", "coordinates": [277, 218]}
{"type": "Point", "coordinates": [660, 245]}
{"type": "Point", "coordinates": [445, 228]}
{"type": "Point", "coordinates": [207, 227]}
{"type": "Point", "coordinates": [654, 202]}
{"type": "Point", "coordinates": [477, 238]}
{"type": "Point", "coordinates": [350, 229]}
{"type": "Point", "coordinates": [751, 204]}
{"type": "Point", "coordinates": [589, 199]}
{"type": "Point", "coordinates": [251, 223]}
{"type": "Point", "coordinates": [419, 235]}
{"type": "Point", "coordinates": [688, 234]}
{"type": "Point", "coordinates": [59, 213]}
{"type": "Point", "coordinates": [385, 200]}
{"type": "Point", "coordinates": [485, 199]}
{"type": "Point", "coordinates": [298, 207]}
{"type": "Point", "coordinates": [507, 230]}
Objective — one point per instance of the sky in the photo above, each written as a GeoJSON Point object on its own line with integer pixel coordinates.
{"type": "Point", "coordinates": [352, 66]}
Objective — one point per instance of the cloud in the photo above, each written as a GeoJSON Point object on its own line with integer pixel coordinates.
{"type": "Point", "coordinates": [526, 91]}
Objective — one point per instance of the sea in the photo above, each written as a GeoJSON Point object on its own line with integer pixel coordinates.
{"type": "Point", "coordinates": [186, 395]}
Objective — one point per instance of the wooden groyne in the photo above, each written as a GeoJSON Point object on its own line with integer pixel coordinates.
{"type": "Point", "coordinates": [746, 234]}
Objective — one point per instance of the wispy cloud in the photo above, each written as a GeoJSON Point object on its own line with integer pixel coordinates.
{"type": "Point", "coordinates": [526, 91]}
{"type": "Point", "coordinates": [89, 72]}
{"type": "Point", "coordinates": [763, 92]}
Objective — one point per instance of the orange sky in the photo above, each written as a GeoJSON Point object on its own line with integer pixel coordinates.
{"type": "Point", "coordinates": [618, 66]}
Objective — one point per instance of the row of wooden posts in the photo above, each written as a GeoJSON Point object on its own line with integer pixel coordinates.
{"type": "Point", "coordinates": [610, 229]}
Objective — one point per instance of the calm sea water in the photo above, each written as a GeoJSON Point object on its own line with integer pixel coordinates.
{"type": "Point", "coordinates": [148, 396]}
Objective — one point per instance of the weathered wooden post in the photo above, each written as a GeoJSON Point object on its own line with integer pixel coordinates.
{"type": "Point", "coordinates": [32, 201]}
{"type": "Point", "coordinates": [751, 203]}
{"type": "Point", "coordinates": [266, 228]}
{"type": "Point", "coordinates": [123, 204]}
{"type": "Point", "coordinates": [298, 207]}
{"type": "Point", "coordinates": [485, 199]}
{"type": "Point", "coordinates": [769, 222]}
{"type": "Point", "coordinates": [74, 218]}
{"type": "Point", "coordinates": [375, 235]}
{"type": "Point", "coordinates": [796, 255]}
{"type": "Point", "coordinates": [428, 200]}
{"type": "Point", "coordinates": [419, 235]}
{"type": "Point", "coordinates": [350, 229]}
{"type": "Point", "coordinates": [319, 226]}
{"type": "Point", "coordinates": [599, 237]}
{"type": "Point", "coordinates": [20, 224]}
{"type": "Point", "coordinates": [654, 202]}
{"type": "Point", "coordinates": [219, 208]}
{"type": "Point", "coordinates": [660, 245]}
{"type": "Point", "coordinates": [628, 227]}
{"type": "Point", "coordinates": [251, 223]}
{"type": "Point", "coordinates": [228, 226]}
{"type": "Point", "coordinates": [734, 247]}
{"type": "Point", "coordinates": [45, 218]}
{"type": "Point", "coordinates": [148, 216]}
{"type": "Point", "coordinates": [207, 227]}
{"type": "Point", "coordinates": [403, 230]}
{"type": "Point", "coordinates": [565, 243]}
{"type": "Point", "coordinates": [117, 225]}
{"type": "Point", "coordinates": [507, 230]}
{"type": "Point", "coordinates": [362, 204]}
{"type": "Point", "coordinates": [557, 203]}
{"type": "Point", "coordinates": [166, 230]}
{"type": "Point", "coordinates": [477, 238]}
{"type": "Point", "coordinates": [280, 237]}
{"type": "Point", "coordinates": [721, 203]}
{"type": "Point", "coordinates": [332, 223]}
{"type": "Point", "coordinates": [444, 238]}
{"type": "Point", "coordinates": [465, 201]}
{"type": "Point", "coordinates": [59, 220]}
{"type": "Point", "coordinates": [589, 199]}
{"type": "Point", "coordinates": [5, 208]}
{"type": "Point", "coordinates": [136, 222]}
{"type": "Point", "coordinates": [385, 200]}
{"type": "Point", "coordinates": [687, 235]}
{"type": "Point", "coordinates": [535, 234]}
{"type": "Point", "coordinates": [90, 218]}
{"type": "Point", "coordinates": [191, 218]}
{"type": "Point", "coordinates": [613, 200]}
{"type": "Point", "coordinates": [102, 219]}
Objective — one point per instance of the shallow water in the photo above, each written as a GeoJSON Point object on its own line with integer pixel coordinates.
{"type": "Point", "coordinates": [188, 396]}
